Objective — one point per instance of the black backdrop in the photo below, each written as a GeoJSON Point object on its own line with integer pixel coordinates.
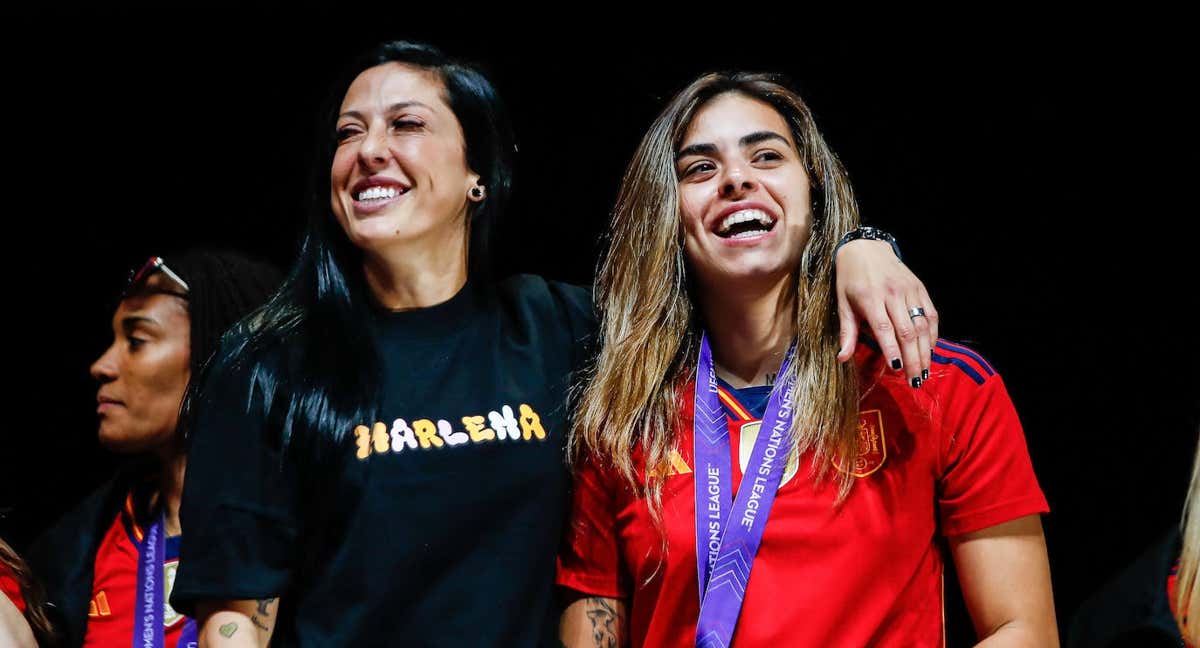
{"type": "Point", "coordinates": [1037, 182]}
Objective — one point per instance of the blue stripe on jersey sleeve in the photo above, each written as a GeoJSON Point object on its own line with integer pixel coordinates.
{"type": "Point", "coordinates": [950, 346]}
{"type": "Point", "coordinates": [961, 364]}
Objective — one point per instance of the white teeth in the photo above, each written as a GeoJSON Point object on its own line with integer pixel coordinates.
{"type": "Point", "coordinates": [377, 193]}
{"type": "Point", "coordinates": [745, 216]}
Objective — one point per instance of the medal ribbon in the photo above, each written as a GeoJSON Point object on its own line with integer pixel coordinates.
{"type": "Point", "coordinates": [728, 536]}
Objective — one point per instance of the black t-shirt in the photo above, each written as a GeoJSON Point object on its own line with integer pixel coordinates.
{"type": "Point", "coordinates": [442, 525]}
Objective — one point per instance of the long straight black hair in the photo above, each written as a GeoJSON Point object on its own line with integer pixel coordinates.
{"type": "Point", "coordinates": [309, 351]}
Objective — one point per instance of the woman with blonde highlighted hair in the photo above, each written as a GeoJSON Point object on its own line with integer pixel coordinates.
{"type": "Point", "coordinates": [736, 483]}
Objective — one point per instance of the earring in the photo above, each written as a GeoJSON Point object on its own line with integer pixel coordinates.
{"type": "Point", "coordinates": [477, 192]}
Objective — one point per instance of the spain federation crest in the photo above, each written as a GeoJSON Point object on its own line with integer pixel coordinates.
{"type": "Point", "coordinates": [872, 446]}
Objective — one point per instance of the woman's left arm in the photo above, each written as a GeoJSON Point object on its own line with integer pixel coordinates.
{"type": "Point", "coordinates": [875, 287]}
{"type": "Point", "coordinates": [1005, 578]}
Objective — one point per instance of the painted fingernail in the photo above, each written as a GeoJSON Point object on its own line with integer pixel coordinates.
{"type": "Point", "coordinates": [916, 382]}
{"type": "Point", "coordinates": [924, 375]}
{"type": "Point", "coordinates": [895, 363]}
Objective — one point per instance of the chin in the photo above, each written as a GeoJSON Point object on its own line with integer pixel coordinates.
{"type": "Point", "coordinates": [758, 270]}
{"type": "Point", "coordinates": [379, 233]}
{"type": "Point", "coordinates": [125, 442]}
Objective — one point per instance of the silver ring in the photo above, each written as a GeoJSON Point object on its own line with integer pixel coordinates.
{"type": "Point", "coordinates": [915, 312]}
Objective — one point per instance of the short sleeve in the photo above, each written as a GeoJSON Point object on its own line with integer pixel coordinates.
{"type": "Point", "coordinates": [580, 315]}
{"type": "Point", "coordinates": [589, 561]}
{"type": "Point", "coordinates": [238, 514]}
{"type": "Point", "coordinates": [987, 476]}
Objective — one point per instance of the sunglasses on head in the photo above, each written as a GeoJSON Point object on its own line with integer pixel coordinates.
{"type": "Point", "coordinates": [152, 265]}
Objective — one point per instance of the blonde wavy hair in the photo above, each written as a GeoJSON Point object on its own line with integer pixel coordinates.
{"type": "Point", "coordinates": [649, 331]}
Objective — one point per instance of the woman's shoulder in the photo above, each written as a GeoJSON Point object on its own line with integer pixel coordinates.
{"type": "Point", "coordinates": [534, 288]}
{"type": "Point", "coordinates": [954, 367]}
{"type": "Point", "coordinates": [540, 296]}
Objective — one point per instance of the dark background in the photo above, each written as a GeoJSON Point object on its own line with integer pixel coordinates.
{"type": "Point", "coordinates": [1038, 182]}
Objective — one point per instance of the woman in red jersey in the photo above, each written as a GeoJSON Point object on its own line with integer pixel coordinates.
{"type": "Point", "coordinates": [109, 563]}
{"type": "Point", "coordinates": [719, 367]}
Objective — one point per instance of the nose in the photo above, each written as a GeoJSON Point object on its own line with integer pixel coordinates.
{"type": "Point", "coordinates": [104, 369]}
{"type": "Point", "coordinates": [737, 181]}
{"type": "Point", "coordinates": [372, 150]}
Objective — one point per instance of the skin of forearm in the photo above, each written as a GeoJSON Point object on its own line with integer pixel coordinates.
{"type": "Point", "coordinates": [594, 622]}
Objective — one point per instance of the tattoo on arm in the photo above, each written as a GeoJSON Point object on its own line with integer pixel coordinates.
{"type": "Point", "coordinates": [227, 630]}
{"type": "Point", "coordinates": [262, 606]}
{"type": "Point", "coordinates": [607, 622]}
{"type": "Point", "coordinates": [266, 614]}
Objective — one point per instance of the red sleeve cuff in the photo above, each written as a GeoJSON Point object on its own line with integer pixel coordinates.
{"type": "Point", "coordinates": [591, 584]}
{"type": "Point", "coordinates": [967, 522]}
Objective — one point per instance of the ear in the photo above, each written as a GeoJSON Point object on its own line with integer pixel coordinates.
{"type": "Point", "coordinates": [476, 192]}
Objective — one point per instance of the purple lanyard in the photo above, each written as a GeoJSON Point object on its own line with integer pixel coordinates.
{"type": "Point", "coordinates": [148, 630]}
{"type": "Point", "coordinates": [189, 637]}
{"type": "Point", "coordinates": [728, 537]}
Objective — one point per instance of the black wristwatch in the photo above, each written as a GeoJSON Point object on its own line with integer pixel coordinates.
{"type": "Point", "coordinates": [870, 234]}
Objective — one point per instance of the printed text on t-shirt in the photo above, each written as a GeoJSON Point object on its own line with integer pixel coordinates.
{"type": "Point", "coordinates": [427, 434]}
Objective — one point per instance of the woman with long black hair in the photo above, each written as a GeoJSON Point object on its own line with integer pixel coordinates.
{"type": "Point", "coordinates": [377, 455]}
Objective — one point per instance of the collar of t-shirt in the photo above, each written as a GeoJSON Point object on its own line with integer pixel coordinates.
{"type": "Point", "coordinates": [437, 321]}
{"type": "Point", "coordinates": [752, 399]}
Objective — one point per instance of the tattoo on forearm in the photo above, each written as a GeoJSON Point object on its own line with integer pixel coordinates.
{"type": "Point", "coordinates": [607, 622]}
{"type": "Point", "coordinates": [227, 630]}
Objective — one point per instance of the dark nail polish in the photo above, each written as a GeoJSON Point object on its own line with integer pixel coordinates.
{"type": "Point", "coordinates": [895, 363]}
{"type": "Point", "coordinates": [924, 375]}
{"type": "Point", "coordinates": [916, 382]}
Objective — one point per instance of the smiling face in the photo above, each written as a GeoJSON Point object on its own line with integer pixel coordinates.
{"type": "Point", "coordinates": [144, 372]}
{"type": "Point", "coordinates": [743, 193]}
{"type": "Point", "coordinates": [399, 173]}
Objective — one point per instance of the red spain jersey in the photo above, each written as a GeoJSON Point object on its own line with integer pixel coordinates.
{"type": "Point", "coordinates": [948, 458]}
{"type": "Point", "coordinates": [112, 611]}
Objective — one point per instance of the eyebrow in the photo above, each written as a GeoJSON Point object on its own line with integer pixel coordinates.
{"type": "Point", "coordinates": [392, 108]}
{"type": "Point", "coordinates": [746, 140]}
{"type": "Point", "coordinates": [132, 322]}
{"type": "Point", "coordinates": [762, 136]}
